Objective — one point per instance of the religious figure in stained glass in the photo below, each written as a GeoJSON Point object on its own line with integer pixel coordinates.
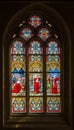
{"type": "Point", "coordinates": [35, 84]}
{"type": "Point", "coordinates": [18, 84]}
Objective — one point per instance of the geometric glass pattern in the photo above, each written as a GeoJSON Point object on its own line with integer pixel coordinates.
{"type": "Point", "coordinates": [35, 63]}
{"type": "Point", "coordinates": [26, 33]}
{"type": "Point", "coordinates": [53, 105]}
{"type": "Point", "coordinates": [35, 48]}
{"type": "Point", "coordinates": [52, 48]}
{"type": "Point", "coordinates": [44, 34]}
{"type": "Point", "coordinates": [35, 21]}
{"type": "Point", "coordinates": [17, 48]}
{"type": "Point", "coordinates": [18, 105]}
{"type": "Point", "coordinates": [53, 63]}
{"type": "Point", "coordinates": [36, 105]}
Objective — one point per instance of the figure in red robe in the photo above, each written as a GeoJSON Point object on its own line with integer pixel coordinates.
{"type": "Point", "coordinates": [16, 88]}
{"type": "Point", "coordinates": [36, 83]}
{"type": "Point", "coordinates": [54, 85]}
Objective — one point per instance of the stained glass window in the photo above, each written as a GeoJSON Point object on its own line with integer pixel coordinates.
{"type": "Point", "coordinates": [35, 69]}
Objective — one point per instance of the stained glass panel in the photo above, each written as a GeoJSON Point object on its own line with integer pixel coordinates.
{"type": "Point", "coordinates": [35, 84]}
{"type": "Point", "coordinates": [18, 105]}
{"type": "Point", "coordinates": [17, 48]}
{"type": "Point", "coordinates": [26, 33]}
{"type": "Point", "coordinates": [36, 105]}
{"type": "Point", "coordinates": [44, 34]}
{"type": "Point", "coordinates": [52, 63]}
{"type": "Point", "coordinates": [35, 48]}
{"type": "Point", "coordinates": [53, 48]}
{"type": "Point", "coordinates": [18, 62]}
{"type": "Point", "coordinates": [18, 84]}
{"type": "Point", "coordinates": [53, 83]}
{"type": "Point", "coordinates": [53, 105]}
{"type": "Point", "coordinates": [35, 63]}
{"type": "Point", "coordinates": [35, 21]}
{"type": "Point", "coordinates": [18, 77]}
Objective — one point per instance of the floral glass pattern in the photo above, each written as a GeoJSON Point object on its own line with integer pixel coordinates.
{"type": "Point", "coordinates": [35, 48]}
{"type": "Point", "coordinates": [44, 34]}
{"type": "Point", "coordinates": [53, 48]}
{"type": "Point", "coordinates": [35, 21]}
{"type": "Point", "coordinates": [26, 33]}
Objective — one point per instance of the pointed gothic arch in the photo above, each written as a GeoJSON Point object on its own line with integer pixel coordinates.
{"type": "Point", "coordinates": [52, 19]}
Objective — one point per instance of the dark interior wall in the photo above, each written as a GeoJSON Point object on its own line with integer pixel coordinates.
{"type": "Point", "coordinates": [9, 9]}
